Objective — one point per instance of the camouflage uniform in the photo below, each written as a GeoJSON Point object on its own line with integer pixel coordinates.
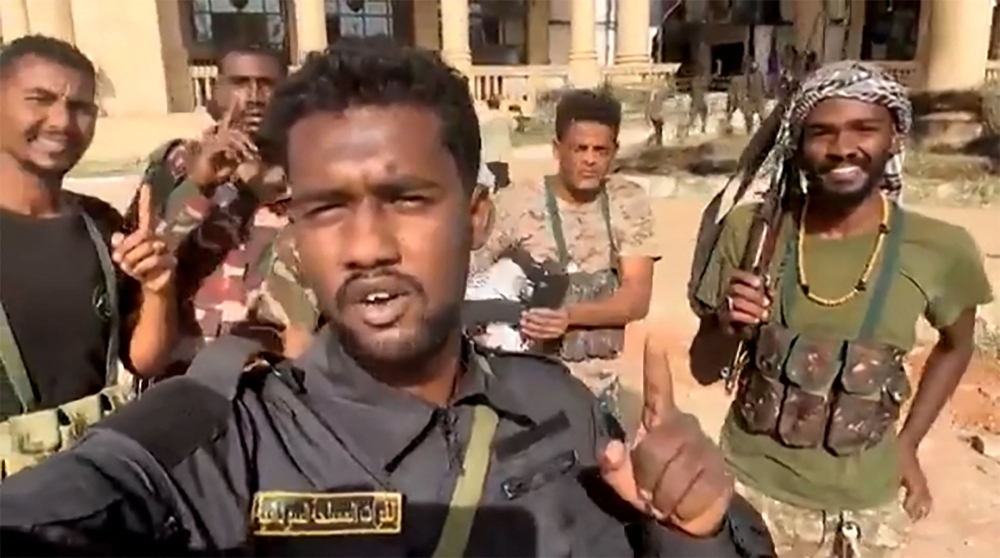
{"type": "Point", "coordinates": [282, 297]}
{"type": "Point", "coordinates": [755, 109]}
{"type": "Point", "coordinates": [655, 111]}
{"type": "Point", "coordinates": [736, 100]}
{"type": "Point", "coordinates": [219, 242]}
{"type": "Point", "coordinates": [802, 533]}
{"type": "Point", "coordinates": [699, 104]}
{"type": "Point", "coordinates": [523, 220]}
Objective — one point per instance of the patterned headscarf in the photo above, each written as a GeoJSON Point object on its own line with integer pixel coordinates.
{"type": "Point", "coordinates": [846, 80]}
{"type": "Point", "coordinates": [840, 80]}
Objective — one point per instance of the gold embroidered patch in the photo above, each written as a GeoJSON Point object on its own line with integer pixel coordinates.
{"type": "Point", "coordinates": [291, 514]}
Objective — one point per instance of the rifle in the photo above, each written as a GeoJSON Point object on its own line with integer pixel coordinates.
{"type": "Point", "coordinates": [757, 256]}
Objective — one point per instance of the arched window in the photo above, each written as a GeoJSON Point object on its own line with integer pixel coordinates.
{"type": "Point", "coordinates": [358, 18]}
{"type": "Point", "coordinates": [218, 23]}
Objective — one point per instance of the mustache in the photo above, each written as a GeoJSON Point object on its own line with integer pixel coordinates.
{"type": "Point", "coordinates": [33, 132]}
{"type": "Point", "coordinates": [411, 282]}
{"type": "Point", "coordinates": [862, 161]}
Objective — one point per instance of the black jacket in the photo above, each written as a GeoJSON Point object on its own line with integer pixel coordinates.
{"type": "Point", "coordinates": [177, 471]}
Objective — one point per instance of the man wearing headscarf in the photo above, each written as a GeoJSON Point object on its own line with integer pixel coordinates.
{"type": "Point", "coordinates": [811, 435]}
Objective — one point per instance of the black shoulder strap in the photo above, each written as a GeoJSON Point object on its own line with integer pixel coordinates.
{"type": "Point", "coordinates": [205, 396]}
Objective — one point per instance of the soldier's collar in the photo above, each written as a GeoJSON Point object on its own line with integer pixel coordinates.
{"type": "Point", "coordinates": [477, 384]}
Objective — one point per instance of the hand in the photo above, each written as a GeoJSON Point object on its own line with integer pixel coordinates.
{"type": "Point", "coordinates": [918, 501]}
{"type": "Point", "coordinates": [543, 324]}
{"type": "Point", "coordinates": [675, 474]}
{"type": "Point", "coordinates": [746, 302]}
{"type": "Point", "coordinates": [222, 152]}
{"type": "Point", "coordinates": [143, 255]}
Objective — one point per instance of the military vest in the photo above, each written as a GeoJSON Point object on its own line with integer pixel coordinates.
{"type": "Point", "coordinates": [586, 344]}
{"type": "Point", "coordinates": [812, 391]}
{"type": "Point", "coordinates": [29, 437]}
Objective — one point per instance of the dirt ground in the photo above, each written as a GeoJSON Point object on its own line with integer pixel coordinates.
{"type": "Point", "coordinates": [965, 521]}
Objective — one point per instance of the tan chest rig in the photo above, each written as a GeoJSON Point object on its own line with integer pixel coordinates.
{"type": "Point", "coordinates": [31, 436]}
{"type": "Point", "coordinates": [591, 343]}
{"type": "Point", "coordinates": [810, 391]}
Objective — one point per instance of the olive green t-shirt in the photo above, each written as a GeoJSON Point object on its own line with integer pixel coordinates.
{"type": "Point", "coordinates": [940, 274]}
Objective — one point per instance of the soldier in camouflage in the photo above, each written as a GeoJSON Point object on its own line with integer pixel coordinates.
{"type": "Point", "coordinates": [698, 109]}
{"type": "Point", "coordinates": [222, 204]}
{"type": "Point", "coordinates": [656, 111]}
{"type": "Point", "coordinates": [600, 230]}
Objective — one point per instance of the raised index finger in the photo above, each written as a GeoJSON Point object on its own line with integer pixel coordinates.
{"type": "Point", "coordinates": [229, 116]}
{"type": "Point", "coordinates": [147, 214]}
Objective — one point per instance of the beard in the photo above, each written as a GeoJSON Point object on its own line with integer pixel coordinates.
{"type": "Point", "coordinates": [399, 352]}
{"type": "Point", "coordinates": [842, 194]}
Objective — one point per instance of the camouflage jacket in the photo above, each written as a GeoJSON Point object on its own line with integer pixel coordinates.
{"type": "Point", "coordinates": [219, 241]}
{"type": "Point", "coordinates": [522, 221]}
{"type": "Point", "coordinates": [282, 298]}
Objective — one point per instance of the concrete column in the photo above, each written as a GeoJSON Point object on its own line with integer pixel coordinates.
{"type": "Point", "coordinates": [538, 31]}
{"type": "Point", "coordinates": [310, 28]}
{"type": "Point", "coordinates": [633, 32]}
{"type": "Point", "coordinates": [142, 66]}
{"type": "Point", "coordinates": [809, 23]}
{"type": "Point", "coordinates": [455, 35]}
{"type": "Point", "coordinates": [855, 29]}
{"type": "Point", "coordinates": [995, 37]}
{"type": "Point", "coordinates": [583, 69]}
{"type": "Point", "coordinates": [13, 19]}
{"type": "Point", "coordinates": [958, 40]}
{"type": "Point", "coordinates": [51, 17]}
{"type": "Point", "coordinates": [426, 27]}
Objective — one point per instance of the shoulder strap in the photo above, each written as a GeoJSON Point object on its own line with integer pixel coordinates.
{"type": "Point", "coordinates": [469, 487]}
{"type": "Point", "coordinates": [887, 271]}
{"type": "Point", "coordinates": [111, 291]}
{"type": "Point", "coordinates": [552, 207]}
{"type": "Point", "coordinates": [604, 202]}
{"type": "Point", "coordinates": [13, 366]}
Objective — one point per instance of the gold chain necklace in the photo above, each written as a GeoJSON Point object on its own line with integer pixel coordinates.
{"type": "Point", "coordinates": [862, 284]}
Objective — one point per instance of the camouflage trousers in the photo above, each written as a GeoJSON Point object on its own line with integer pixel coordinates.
{"type": "Point", "coordinates": [803, 533]}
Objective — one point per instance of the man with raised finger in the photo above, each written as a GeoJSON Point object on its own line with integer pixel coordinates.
{"type": "Point", "coordinates": [82, 292]}
{"type": "Point", "coordinates": [220, 202]}
{"type": "Point", "coordinates": [827, 324]}
{"type": "Point", "coordinates": [393, 435]}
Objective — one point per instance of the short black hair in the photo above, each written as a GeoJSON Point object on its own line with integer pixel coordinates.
{"type": "Point", "coordinates": [585, 105]}
{"type": "Point", "coordinates": [49, 48]}
{"type": "Point", "coordinates": [252, 49]}
{"type": "Point", "coordinates": [375, 72]}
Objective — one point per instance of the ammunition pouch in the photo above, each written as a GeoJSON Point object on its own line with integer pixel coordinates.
{"type": "Point", "coordinates": [27, 439]}
{"type": "Point", "coordinates": [872, 388]}
{"type": "Point", "coordinates": [585, 344]}
{"type": "Point", "coordinates": [810, 392]}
